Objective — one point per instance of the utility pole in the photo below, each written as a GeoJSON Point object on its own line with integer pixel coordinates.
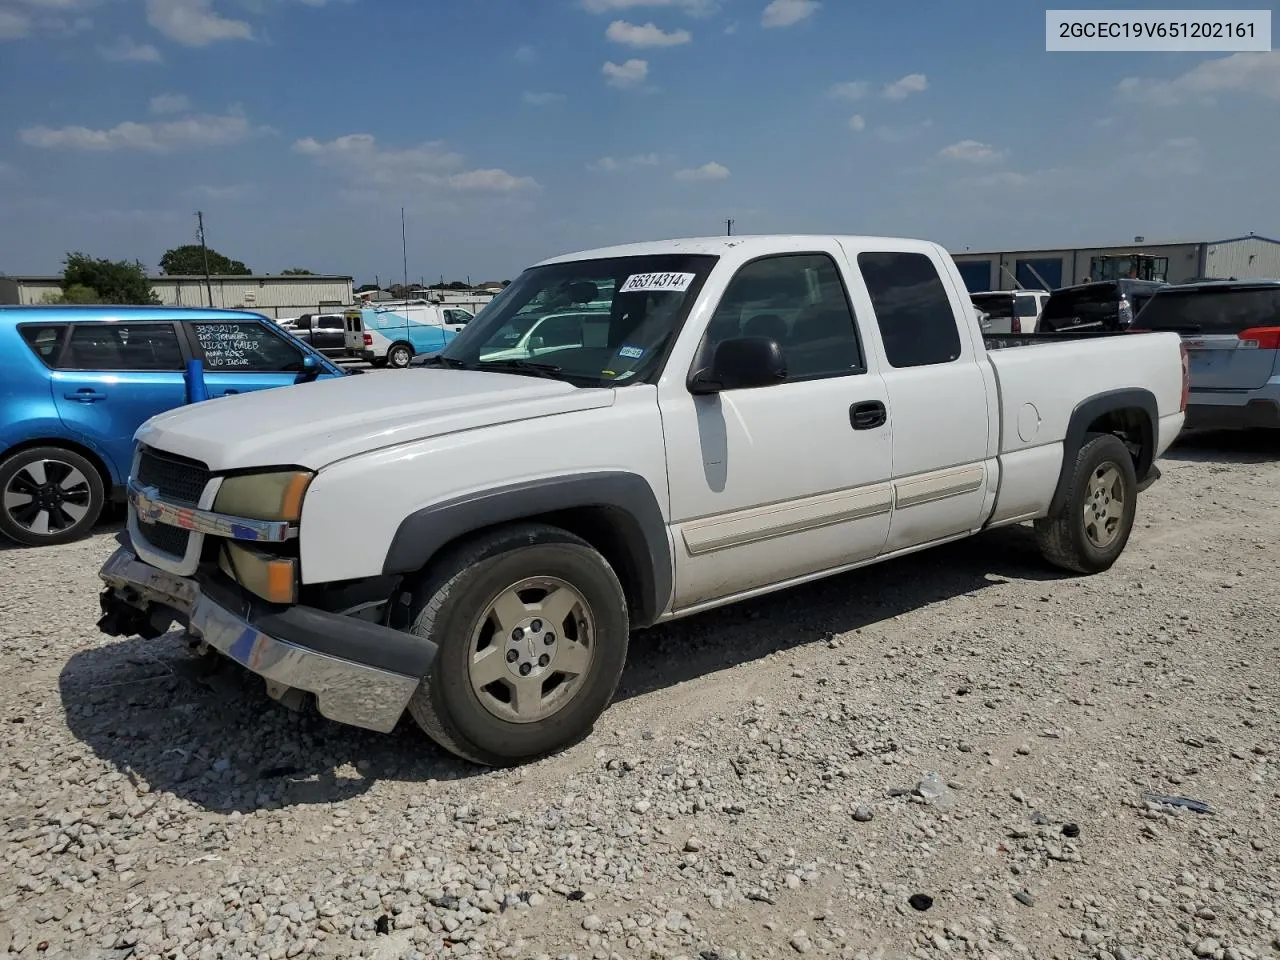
{"type": "Point", "coordinates": [728, 228]}
{"type": "Point", "coordinates": [208, 284]}
{"type": "Point", "coordinates": [404, 252]}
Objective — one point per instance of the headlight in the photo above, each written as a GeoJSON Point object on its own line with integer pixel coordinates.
{"type": "Point", "coordinates": [264, 496]}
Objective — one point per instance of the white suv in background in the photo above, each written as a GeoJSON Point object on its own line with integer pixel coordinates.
{"type": "Point", "coordinates": [1011, 311]}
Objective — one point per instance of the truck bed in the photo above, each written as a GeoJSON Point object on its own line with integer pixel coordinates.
{"type": "Point", "coordinates": [1002, 341]}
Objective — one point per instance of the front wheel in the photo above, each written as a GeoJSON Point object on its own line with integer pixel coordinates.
{"type": "Point", "coordinates": [48, 496]}
{"type": "Point", "coordinates": [532, 629]}
{"type": "Point", "coordinates": [399, 356]}
{"type": "Point", "coordinates": [1090, 531]}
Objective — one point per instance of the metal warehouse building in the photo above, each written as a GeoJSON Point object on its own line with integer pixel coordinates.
{"type": "Point", "coordinates": [274, 296]}
{"type": "Point", "coordinates": [1246, 258]}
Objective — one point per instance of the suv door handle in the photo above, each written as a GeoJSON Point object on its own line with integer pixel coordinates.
{"type": "Point", "coordinates": [868, 415]}
{"type": "Point", "coordinates": [85, 395]}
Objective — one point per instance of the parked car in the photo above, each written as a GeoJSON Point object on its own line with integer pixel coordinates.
{"type": "Point", "coordinates": [392, 336]}
{"type": "Point", "coordinates": [1104, 305]}
{"type": "Point", "coordinates": [1231, 329]}
{"type": "Point", "coordinates": [1011, 311]}
{"type": "Point", "coordinates": [77, 382]}
{"type": "Point", "coordinates": [474, 542]}
{"type": "Point", "coordinates": [324, 331]}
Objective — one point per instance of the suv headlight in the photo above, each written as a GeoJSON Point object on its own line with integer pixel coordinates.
{"type": "Point", "coordinates": [264, 496]}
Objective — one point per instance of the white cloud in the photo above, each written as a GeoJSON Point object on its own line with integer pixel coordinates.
{"type": "Point", "coordinates": [541, 98]}
{"type": "Point", "coordinates": [708, 171]}
{"type": "Point", "coordinates": [850, 90]}
{"type": "Point", "coordinates": [492, 180]}
{"type": "Point", "coordinates": [359, 158]}
{"type": "Point", "coordinates": [731, 29]}
{"type": "Point", "coordinates": [971, 151]}
{"type": "Point", "coordinates": [126, 50]}
{"type": "Point", "coordinates": [525, 54]}
{"type": "Point", "coordinates": [614, 164]}
{"type": "Point", "coordinates": [648, 35]}
{"type": "Point", "coordinates": [693, 8]}
{"type": "Point", "coordinates": [1256, 73]}
{"type": "Point", "coordinates": [628, 74]}
{"type": "Point", "coordinates": [857, 122]}
{"type": "Point", "coordinates": [193, 23]}
{"type": "Point", "coordinates": [786, 13]}
{"type": "Point", "coordinates": [169, 103]}
{"type": "Point", "coordinates": [911, 83]}
{"type": "Point", "coordinates": [160, 137]}
{"type": "Point", "coordinates": [14, 24]}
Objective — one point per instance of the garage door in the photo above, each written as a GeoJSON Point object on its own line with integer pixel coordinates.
{"type": "Point", "coordinates": [976, 275]}
{"type": "Point", "coordinates": [1050, 269]}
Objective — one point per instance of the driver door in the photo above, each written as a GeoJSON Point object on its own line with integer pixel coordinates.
{"type": "Point", "coordinates": [778, 483]}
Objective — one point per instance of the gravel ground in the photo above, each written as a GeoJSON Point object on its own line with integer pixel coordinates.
{"type": "Point", "coordinates": [964, 731]}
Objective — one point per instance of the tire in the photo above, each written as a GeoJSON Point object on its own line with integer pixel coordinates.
{"type": "Point", "coordinates": [455, 607]}
{"type": "Point", "coordinates": [1082, 537]}
{"type": "Point", "coordinates": [67, 484]}
{"type": "Point", "coordinates": [399, 355]}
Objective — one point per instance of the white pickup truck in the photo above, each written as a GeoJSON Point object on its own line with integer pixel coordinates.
{"type": "Point", "coordinates": [474, 541]}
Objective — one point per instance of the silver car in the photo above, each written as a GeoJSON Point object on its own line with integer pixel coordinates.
{"type": "Point", "coordinates": [1231, 329]}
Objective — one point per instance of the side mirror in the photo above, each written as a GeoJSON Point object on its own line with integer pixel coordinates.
{"type": "Point", "coordinates": [739, 364]}
{"type": "Point", "coordinates": [310, 368]}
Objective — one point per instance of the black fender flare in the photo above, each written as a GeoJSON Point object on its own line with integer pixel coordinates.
{"type": "Point", "coordinates": [635, 519]}
{"type": "Point", "coordinates": [1085, 413]}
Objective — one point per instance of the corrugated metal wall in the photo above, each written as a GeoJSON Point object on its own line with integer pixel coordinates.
{"type": "Point", "coordinates": [273, 296]}
{"type": "Point", "coordinates": [1253, 258]}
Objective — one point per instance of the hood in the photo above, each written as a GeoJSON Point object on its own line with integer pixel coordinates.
{"type": "Point", "coordinates": [315, 424]}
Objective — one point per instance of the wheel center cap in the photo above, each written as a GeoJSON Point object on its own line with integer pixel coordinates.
{"type": "Point", "coordinates": [530, 649]}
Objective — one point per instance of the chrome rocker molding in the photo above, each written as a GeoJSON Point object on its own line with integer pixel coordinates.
{"type": "Point", "coordinates": [346, 692]}
{"type": "Point", "coordinates": [150, 507]}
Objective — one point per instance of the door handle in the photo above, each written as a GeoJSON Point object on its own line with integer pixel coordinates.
{"type": "Point", "coordinates": [868, 415]}
{"type": "Point", "coordinates": [85, 395]}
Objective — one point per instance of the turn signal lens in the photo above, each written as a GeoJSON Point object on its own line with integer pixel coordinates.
{"type": "Point", "coordinates": [274, 579]}
{"type": "Point", "coordinates": [264, 496]}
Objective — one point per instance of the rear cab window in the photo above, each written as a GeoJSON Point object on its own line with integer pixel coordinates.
{"type": "Point", "coordinates": [998, 306]}
{"type": "Point", "coordinates": [1097, 303]}
{"type": "Point", "coordinates": [1209, 311]}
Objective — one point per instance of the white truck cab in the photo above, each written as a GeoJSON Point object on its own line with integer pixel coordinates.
{"type": "Point", "coordinates": [475, 540]}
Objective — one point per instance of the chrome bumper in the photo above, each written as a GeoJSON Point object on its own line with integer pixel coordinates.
{"type": "Point", "coordinates": [345, 691]}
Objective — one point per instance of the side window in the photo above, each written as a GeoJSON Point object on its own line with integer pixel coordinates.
{"type": "Point", "coordinates": [798, 300]}
{"type": "Point", "coordinates": [457, 316]}
{"type": "Point", "coordinates": [563, 331]}
{"type": "Point", "coordinates": [331, 323]}
{"type": "Point", "coordinates": [43, 341]}
{"type": "Point", "coordinates": [122, 346]}
{"type": "Point", "coordinates": [245, 347]}
{"type": "Point", "coordinates": [916, 321]}
{"type": "Point", "coordinates": [1026, 306]}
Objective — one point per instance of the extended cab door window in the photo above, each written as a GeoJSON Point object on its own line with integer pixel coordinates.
{"type": "Point", "coordinates": [798, 300]}
{"type": "Point", "coordinates": [917, 323]}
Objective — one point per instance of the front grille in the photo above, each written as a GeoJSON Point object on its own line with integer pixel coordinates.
{"type": "Point", "coordinates": [166, 539]}
{"type": "Point", "coordinates": [178, 479]}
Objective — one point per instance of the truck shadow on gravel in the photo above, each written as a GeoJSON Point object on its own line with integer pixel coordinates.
{"type": "Point", "coordinates": [1226, 446]}
{"type": "Point", "coordinates": [206, 732]}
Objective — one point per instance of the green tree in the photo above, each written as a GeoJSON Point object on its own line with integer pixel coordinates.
{"type": "Point", "coordinates": [76, 293]}
{"type": "Point", "coordinates": [188, 260]}
{"type": "Point", "coordinates": [95, 280]}
{"type": "Point", "coordinates": [297, 272]}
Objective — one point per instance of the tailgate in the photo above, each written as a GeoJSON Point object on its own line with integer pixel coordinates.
{"type": "Point", "coordinates": [1221, 362]}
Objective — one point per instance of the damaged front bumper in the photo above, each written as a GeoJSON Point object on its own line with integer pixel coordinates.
{"type": "Point", "coordinates": [361, 673]}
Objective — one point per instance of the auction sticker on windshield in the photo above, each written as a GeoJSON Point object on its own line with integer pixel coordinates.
{"type": "Point", "coordinates": [653, 282]}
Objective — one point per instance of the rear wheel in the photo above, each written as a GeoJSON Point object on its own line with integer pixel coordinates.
{"type": "Point", "coordinates": [532, 629]}
{"type": "Point", "coordinates": [399, 355]}
{"type": "Point", "coordinates": [1091, 530]}
{"type": "Point", "coordinates": [49, 495]}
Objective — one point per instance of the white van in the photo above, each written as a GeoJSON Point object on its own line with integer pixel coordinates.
{"type": "Point", "coordinates": [390, 335]}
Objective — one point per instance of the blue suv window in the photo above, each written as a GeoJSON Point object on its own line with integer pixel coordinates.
{"type": "Point", "coordinates": [44, 341]}
{"type": "Point", "coordinates": [122, 346]}
{"type": "Point", "coordinates": [244, 346]}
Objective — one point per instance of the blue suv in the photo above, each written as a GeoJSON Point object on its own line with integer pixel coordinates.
{"type": "Point", "coordinates": [77, 382]}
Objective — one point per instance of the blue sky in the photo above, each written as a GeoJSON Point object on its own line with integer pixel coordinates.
{"type": "Point", "coordinates": [512, 130]}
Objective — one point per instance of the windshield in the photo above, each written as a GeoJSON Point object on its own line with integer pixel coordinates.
{"type": "Point", "coordinates": [1213, 311]}
{"type": "Point", "coordinates": [590, 322]}
{"type": "Point", "coordinates": [996, 305]}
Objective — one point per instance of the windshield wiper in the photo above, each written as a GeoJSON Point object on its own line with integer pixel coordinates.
{"type": "Point", "coordinates": [436, 360]}
{"type": "Point", "coordinates": [548, 370]}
